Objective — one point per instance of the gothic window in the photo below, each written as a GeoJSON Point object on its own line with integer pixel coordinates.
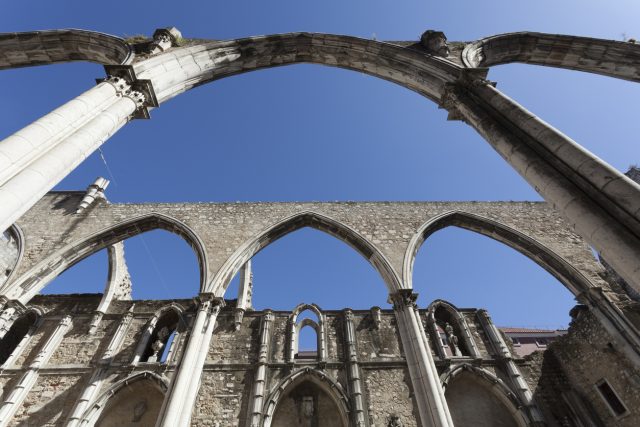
{"type": "Point", "coordinates": [304, 321]}
{"type": "Point", "coordinates": [19, 331]}
{"type": "Point", "coordinates": [451, 333]}
{"type": "Point", "coordinates": [611, 397]}
{"type": "Point", "coordinates": [158, 340]}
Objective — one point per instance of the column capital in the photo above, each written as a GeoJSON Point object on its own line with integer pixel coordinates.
{"type": "Point", "coordinates": [403, 298]}
{"type": "Point", "coordinates": [348, 314]}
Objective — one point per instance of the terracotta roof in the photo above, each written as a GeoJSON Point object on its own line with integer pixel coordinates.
{"type": "Point", "coordinates": [529, 331]}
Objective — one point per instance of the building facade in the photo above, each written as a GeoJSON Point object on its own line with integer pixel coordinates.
{"type": "Point", "coordinates": [106, 360]}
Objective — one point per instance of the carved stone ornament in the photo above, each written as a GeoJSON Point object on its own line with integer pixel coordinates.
{"type": "Point", "coordinates": [435, 42]}
{"type": "Point", "coordinates": [163, 39]}
{"type": "Point", "coordinates": [403, 298]}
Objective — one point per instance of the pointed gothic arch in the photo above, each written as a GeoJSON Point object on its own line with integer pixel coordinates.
{"type": "Point", "coordinates": [34, 280]}
{"type": "Point", "coordinates": [331, 388]}
{"type": "Point", "coordinates": [546, 258]}
{"type": "Point", "coordinates": [141, 392]}
{"type": "Point", "coordinates": [320, 222]}
{"type": "Point", "coordinates": [473, 393]}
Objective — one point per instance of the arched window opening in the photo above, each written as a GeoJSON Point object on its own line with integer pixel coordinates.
{"type": "Point", "coordinates": [475, 271]}
{"type": "Point", "coordinates": [19, 331]}
{"type": "Point", "coordinates": [156, 343]}
{"type": "Point", "coordinates": [450, 332]}
{"type": "Point", "coordinates": [307, 342]}
{"type": "Point", "coordinates": [311, 265]}
{"type": "Point", "coordinates": [308, 404]}
{"type": "Point", "coordinates": [136, 403]}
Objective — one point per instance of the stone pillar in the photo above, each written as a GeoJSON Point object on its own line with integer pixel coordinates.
{"type": "Point", "coordinates": [260, 378]}
{"type": "Point", "coordinates": [502, 351]}
{"type": "Point", "coordinates": [182, 393]}
{"type": "Point", "coordinates": [603, 216]}
{"type": "Point", "coordinates": [91, 391]}
{"type": "Point", "coordinates": [19, 193]}
{"type": "Point", "coordinates": [427, 389]}
{"type": "Point", "coordinates": [355, 382]}
{"type": "Point", "coordinates": [23, 147]}
{"type": "Point", "coordinates": [29, 378]}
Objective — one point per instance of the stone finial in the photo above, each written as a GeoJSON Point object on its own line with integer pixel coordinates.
{"type": "Point", "coordinates": [163, 39]}
{"type": "Point", "coordinates": [376, 317]}
{"type": "Point", "coordinates": [94, 191]}
{"type": "Point", "coordinates": [435, 42]}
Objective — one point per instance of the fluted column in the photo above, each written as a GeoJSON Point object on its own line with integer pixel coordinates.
{"type": "Point", "coordinates": [500, 348]}
{"type": "Point", "coordinates": [354, 370]}
{"type": "Point", "coordinates": [29, 378]}
{"type": "Point", "coordinates": [260, 378]}
{"type": "Point", "coordinates": [20, 149]}
{"type": "Point", "coordinates": [429, 396]}
{"type": "Point", "coordinates": [24, 188]}
{"type": "Point", "coordinates": [182, 393]}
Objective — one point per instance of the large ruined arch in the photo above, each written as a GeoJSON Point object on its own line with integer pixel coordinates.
{"type": "Point", "coordinates": [40, 275]}
{"type": "Point", "coordinates": [476, 397]}
{"type": "Point", "coordinates": [568, 275]}
{"type": "Point", "coordinates": [306, 392]}
{"type": "Point", "coordinates": [288, 225]}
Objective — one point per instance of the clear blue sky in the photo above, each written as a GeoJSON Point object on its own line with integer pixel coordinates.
{"type": "Point", "coordinates": [315, 133]}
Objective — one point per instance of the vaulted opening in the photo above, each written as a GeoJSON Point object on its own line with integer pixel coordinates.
{"type": "Point", "coordinates": [311, 266]}
{"type": "Point", "coordinates": [14, 336]}
{"type": "Point", "coordinates": [474, 271]}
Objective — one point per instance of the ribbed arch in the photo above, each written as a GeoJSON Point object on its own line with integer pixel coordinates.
{"type": "Point", "coordinates": [610, 58]}
{"type": "Point", "coordinates": [33, 281]}
{"type": "Point", "coordinates": [315, 220]}
{"type": "Point", "coordinates": [568, 275]}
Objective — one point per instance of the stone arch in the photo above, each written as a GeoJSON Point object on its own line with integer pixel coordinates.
{"type": "Point", "coordinates": [318, 378]}
{"type": "Point", "coordinates": [54, 46]}
{"type": "Point", "coordinates": [10, 261]}
{"type": "Point", "coordinates": [40, 275]}
{"type": "Point", "coordinates": [293, 223]}
{"type": "Point", "coordinates": [415, 69]}
{"type": "Point", "coordinates": [479, 385]}
{"type": "Point", "coordinates": [457, 321]}
{"type": "Point", "coordinates": [610, 58]}
{"type": "Point", "coordinates": [159, 386]}
{"type": "Point", "coordinates": [568, 275]}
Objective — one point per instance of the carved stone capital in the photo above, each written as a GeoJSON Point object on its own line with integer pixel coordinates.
{"type": "Point", "coordinates": [269, 316]}
{"type": "Point", "coordinates": [211, 303]}
{"type": "Point", "coordinates": [403, 298]}
{"type": "Point", "coordinates": [348, 314]}
{"type": "Point", "coordinates": [163, 39]}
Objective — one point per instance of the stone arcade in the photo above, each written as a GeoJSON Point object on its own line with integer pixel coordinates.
{"type": "Point", "coordinates": [106, 360]}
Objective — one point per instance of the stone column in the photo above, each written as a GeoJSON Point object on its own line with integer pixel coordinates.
{"type": "Point", "coordinates": [183, 390]}
{"type": "Point", "coordinates": [260, 378]}
{"type": "Point", "coordinates": [354, 370]}
{"type": "Point", "coordinates": [502, 351]}
{"type": "Point", "coordinates": [29, 378]}
{"type": "Point", "coordinates": [20, 149]}
{"type": "Point", "coordinates": [601, 210]}
{"type": "Point", "coordinates": [90, 392]}
{"type": "Point", "coordinates": [19, 193]}
{"type": "Point", "coordinates": [427, 389]}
